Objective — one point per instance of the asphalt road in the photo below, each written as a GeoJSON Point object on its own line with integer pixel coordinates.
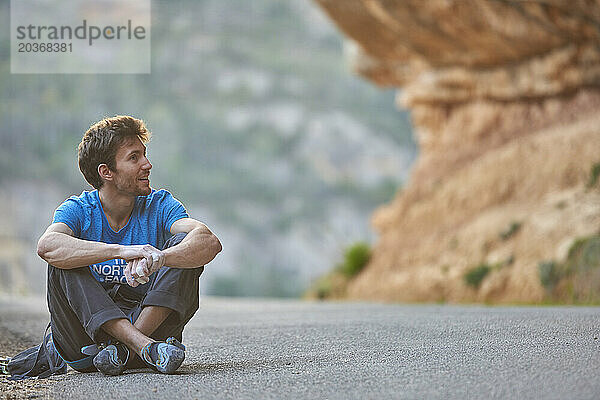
{"type": "Point", "coordinates": [277, 349]}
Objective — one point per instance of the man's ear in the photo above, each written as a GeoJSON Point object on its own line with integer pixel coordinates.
{"type": "Point", "coordinates": [105, 172]}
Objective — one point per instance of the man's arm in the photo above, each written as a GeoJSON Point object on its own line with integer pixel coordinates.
{"type": "Point", "coordinates": [199, 247]}
{"type": "Point", "coordinates": [58, 247]}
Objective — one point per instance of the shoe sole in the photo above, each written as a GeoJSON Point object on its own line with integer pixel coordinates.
{"type": "Point", "coordinates": [108, 363]}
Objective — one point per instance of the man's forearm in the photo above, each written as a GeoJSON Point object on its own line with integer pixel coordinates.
{"type": "Point", "coordinates": [199, 247]}
{"type": "Point", "coordinates": [66, 252]}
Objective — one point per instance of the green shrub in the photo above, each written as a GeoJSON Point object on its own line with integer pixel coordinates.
{"type": "Point", "coordinates": [330, 286]}
{"type": "Point", "coordinates": [576, 248]}
{"type": "Point", "coordinates": [549, 273]}
{"type": "Point", "coordinates": [475, 276]}
{"type": "Point", "coordinates": [584, 254]}
{"type": "Point", "coordinates": [323, 288]}
{"type": "Point", "coordinates": [594, 175]}
{"type": "Point", "coordinates": [561, 204]}
{"type": "Point", "coordinates": [355, 259]}
{"type": "Point", "coordinates": [334, 284]}
{"type": "Point", "coordinates": [510, 230]}
{"type": "Point", "coordinates": [577, 279]}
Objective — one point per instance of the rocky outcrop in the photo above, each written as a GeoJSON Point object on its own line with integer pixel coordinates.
{"type": "Point", "coordinates": [504, 96]}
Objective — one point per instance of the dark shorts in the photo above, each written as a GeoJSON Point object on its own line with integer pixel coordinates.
{"type": "Point", "coordinates": [79, 305]}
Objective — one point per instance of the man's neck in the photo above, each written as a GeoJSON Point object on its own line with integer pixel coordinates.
{"type": "Point", "coordinates": [117, 208]}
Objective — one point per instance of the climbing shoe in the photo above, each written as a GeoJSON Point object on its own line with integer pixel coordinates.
{"type": "Point", "coordinates": [111, 359]}
{"type": "Point", "coordinates": [165, 356]}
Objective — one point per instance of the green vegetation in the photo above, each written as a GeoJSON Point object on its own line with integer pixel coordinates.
{"type": "Point", "coordinates": [512, 229]}
{"type": "Point", "coordinates": [475, 276]}
{"type": "Point", "coordinates": [584, 254]}
{"type": "Point", "coordinates": [355, 258]}
{"type": "Point", "coordinates": [323, 287]}
{"type": "Point", "coordinates": [561, 204]}
{"type": "Point", "coordinates": [577, 279]}
{"type": "Point", "coordinates": [594, 174]}
{"type": "Point", "coordinates": [330, 286]}
{"type": "Point", "coordinates": [333, 284]}
{"type": "Point", "coordinates": [549, 274]}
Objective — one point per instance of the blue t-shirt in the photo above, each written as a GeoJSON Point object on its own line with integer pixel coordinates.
{"type": "Point", "coordinates": [150, 223]}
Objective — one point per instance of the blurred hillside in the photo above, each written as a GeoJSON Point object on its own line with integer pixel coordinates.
{"type": "Point", "coordinates": [258, 128]}
{"type": "Point", "coordinates": [502, 204]}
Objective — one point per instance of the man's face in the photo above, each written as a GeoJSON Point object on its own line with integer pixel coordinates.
{"type": "Point", "coordinates": [131, 176]}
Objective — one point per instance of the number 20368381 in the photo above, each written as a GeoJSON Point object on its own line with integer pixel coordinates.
{"type": "Point", "coordinates": [45, 47]}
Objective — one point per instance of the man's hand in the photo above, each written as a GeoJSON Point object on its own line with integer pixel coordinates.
{"type": "Point", "coordinates": [154, 257]}
{"type": "Point", "coordinates": [133, 277]}
{"type": "Point", "coordinates": [148, 260]}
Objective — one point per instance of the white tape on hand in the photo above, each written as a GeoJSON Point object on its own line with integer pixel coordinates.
{"type": "Point", "coordinates": [142, 278]}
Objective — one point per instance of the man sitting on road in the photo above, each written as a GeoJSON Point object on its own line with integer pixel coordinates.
{"type": "Point", "coordinates": [111, 291]}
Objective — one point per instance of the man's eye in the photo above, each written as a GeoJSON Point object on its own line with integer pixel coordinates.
{"type": "Point", "coordinates": [133, 157]}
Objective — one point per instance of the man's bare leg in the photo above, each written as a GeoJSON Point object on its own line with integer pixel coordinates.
{"type": "Point", "coordinates": [150, 319]}
{"type": "Point", "coordinates": [135, 336]}
{"type": "Point", "coordinates": [124, 331]}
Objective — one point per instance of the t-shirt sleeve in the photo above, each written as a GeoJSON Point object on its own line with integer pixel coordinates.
{"type": "Point", "coordinates": [172, 210]}
{"type": "Point", "coordinates": [70, 213]}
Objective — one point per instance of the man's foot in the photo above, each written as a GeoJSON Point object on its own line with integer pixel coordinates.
{"type": "Point", "coordinates": [111, 359]}
{"type": "Point", "coordinates": [165, 357]}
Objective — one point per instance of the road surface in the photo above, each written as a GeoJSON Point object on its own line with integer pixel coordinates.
{"type": "Point", "coordinates": [259, 349]}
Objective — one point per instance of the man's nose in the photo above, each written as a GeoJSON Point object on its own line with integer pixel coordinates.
{"type": "Point", "coordinates": [147, 164]}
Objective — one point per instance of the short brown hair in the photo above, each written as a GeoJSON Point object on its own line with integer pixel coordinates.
{"type": "Point", "coordinates": [101, 141]}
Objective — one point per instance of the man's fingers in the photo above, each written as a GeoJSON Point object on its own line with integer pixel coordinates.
{"type": "Point", "coordinates": [142, 268]}
{"type": "Point", "coordinates": [131, 252]}
{"type": "Point", "coordinates": [155, 258]}
{"type": "Point", "coordinates": [127, 271]}
{"type": "Point", "coordinates": [134, 264]}
{"type": "Point", "coordinates": [139, 271]}
{"type": "Point", "coordinates": [148, 255]}
{"type": "Point", "coordinates": [155, 262]}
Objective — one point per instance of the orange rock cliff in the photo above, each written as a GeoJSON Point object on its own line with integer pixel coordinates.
{"type": "Point", "coordinates": [505, 102]}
